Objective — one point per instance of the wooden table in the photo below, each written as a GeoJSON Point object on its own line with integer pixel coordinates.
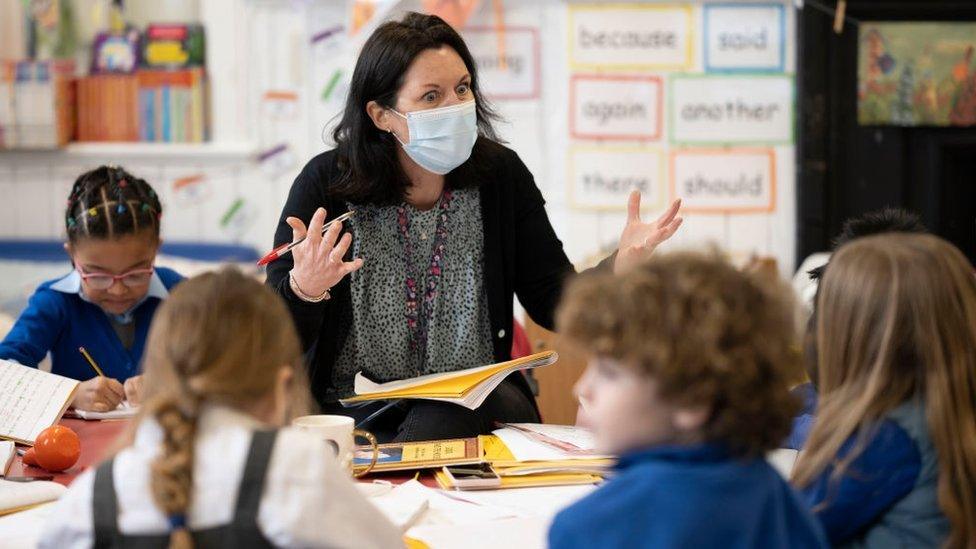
{"type": "Point", "coordinates": [96, 441]}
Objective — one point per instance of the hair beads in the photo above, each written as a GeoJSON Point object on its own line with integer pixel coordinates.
{"type": "Point", "coordinates": [127, 204]}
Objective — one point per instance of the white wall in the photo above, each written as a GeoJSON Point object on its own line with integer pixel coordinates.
{"type": "Point", "coordinates": [260, 46]}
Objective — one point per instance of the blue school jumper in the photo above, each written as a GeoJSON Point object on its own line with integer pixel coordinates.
{"type": "Point", "coordinates": [688, 496]}
{"type": "Point", "coordinates": [803, 421]}
{"type": "Point", "coordinates": [888, 497]}
{"type": "Point", "coordinates": [59, 320]}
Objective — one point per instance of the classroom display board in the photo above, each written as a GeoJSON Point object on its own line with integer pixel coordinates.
{"type": "Point", "coordinates": [692, 100]}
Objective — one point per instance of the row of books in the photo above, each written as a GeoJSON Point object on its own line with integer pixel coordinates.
{"type": "Point", "coordinates": [42, 105]}
{"type": "Point", "coordinates": [519, 455]}
{"type": "Point", "coordinates": [148, 105]}
{"type": "Point", "coordinates": [37, 104]}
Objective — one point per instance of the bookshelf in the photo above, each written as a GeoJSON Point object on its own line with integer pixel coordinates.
{"type": "Point", "coordinates": [136, 150]}
{"type": "Point", "coordinates": [126, 152]}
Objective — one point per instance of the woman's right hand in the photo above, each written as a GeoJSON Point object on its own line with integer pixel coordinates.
{"type": "Point", "coordinates": [98, 394]}
{"type": "Point", "coordinates": [318, 260]}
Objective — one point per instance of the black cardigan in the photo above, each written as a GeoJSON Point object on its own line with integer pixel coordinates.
{"type": "Point", "coordinates": [522, 255]}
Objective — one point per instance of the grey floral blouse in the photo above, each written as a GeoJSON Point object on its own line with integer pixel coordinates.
{"type": "Point", "coordinates": [458, 333]}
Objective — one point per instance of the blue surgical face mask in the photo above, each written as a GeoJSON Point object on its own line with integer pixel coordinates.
{"type": "Point", "coordinates": [441, 139]}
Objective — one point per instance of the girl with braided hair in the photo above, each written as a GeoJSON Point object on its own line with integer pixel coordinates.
{"type": "Point", "coordinates": [208, 463]}
{"type": "Point", "coordinates": [106, 303]}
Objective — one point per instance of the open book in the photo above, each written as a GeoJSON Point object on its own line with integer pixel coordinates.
{"type": "Point", "coordinates": [31, 401]}
{"type": "Point", "coordinates": [20, 496]}
{"type": "Point", "coordinates": [468, 388]}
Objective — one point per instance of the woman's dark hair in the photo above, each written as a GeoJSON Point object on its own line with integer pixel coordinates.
{"type": "Point", "coordinates": [109, 202]}
{"type": "Point", "coordinates": [368, 163]}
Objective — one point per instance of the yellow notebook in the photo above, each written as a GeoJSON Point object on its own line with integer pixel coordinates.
{"type": "Point", "coordinates": [530, 481]}
{"type": "Point", "coordinates": [505, 463]}
{"type": "Point", "coordinates": [468, 388]}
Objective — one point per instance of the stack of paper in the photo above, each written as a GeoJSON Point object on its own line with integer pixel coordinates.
{"type": "Point", "coordinates": [527, 448]}
{"type": "Point", "coordinates": [523, 459]}
{"type": "Point", "coordinates": [468, 388]}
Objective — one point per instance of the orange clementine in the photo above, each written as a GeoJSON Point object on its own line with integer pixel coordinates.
{"type": "Point", "coordinates": [29, 457]}
{"type": "Point", "coordinates": [57, 448]}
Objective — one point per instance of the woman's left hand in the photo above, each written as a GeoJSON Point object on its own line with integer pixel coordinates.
{"type": "Point", "coordinates": [639, 239]}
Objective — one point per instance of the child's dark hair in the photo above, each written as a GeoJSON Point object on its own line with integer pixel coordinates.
{"type": "Point", "coordinates": [887, 220]}
{"type": "Point", "coordinates": [109, 202]}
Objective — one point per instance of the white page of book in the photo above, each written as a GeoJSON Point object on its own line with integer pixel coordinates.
{"type": "Point", "coordinates": [14, 495]}
{"type": "Point", "coordinates": [577, 436]}
{"type": "Point", "coordinates": [24, 529]}
{"type": "Point", "coordinates": [30, 400]}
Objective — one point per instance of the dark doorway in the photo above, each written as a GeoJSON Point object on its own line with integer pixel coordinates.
{"type": "Point", "coordinates": [843, 169]}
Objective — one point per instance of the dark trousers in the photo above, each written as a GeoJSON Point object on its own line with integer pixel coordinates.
{"type": "Point", "coordinates": [411, 420]}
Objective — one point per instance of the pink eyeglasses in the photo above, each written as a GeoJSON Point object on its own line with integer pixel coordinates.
{"type": "Point", "coordinates": [104, 281]}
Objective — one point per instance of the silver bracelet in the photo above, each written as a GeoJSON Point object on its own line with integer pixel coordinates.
{"type": "Point", "coordinates": [324, 296]}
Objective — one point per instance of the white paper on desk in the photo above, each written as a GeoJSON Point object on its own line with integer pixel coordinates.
{"type": "Point", "coordinates": [523, 533]}
{"type": "Point", "coordinates": [24, 529]}
{"type": "Point", "coordinates": [404, 505]}
{"type": "Point", "coordinates": [542, 502]}
{"type": "Point", "coordinates": [123, 411]}
{"type": "Point", "coordinates": [443, 509]}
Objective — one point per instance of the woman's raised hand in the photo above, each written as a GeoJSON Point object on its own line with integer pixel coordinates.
{"type": "Point", "coordinates": [319, 263]}
{"type": "Point", "coordinates": [639, 239]}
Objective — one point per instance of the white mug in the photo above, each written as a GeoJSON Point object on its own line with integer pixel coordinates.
{"type": "Point", "coordinates": [339, 433]}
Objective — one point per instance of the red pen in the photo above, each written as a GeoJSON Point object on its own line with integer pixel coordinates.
{"type": "Point", "coordinates": [285, 248]}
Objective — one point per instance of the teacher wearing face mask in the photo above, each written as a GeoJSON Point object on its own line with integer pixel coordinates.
{"type": "Point", "coordinates": [449, 226]}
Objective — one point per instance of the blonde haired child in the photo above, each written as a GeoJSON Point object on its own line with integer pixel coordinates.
{"type": "Point", "coordinates": [208, 462]}
{"type": "Point", "coordinates": [891, 458]}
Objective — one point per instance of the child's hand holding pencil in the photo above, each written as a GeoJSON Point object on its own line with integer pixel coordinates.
{"type": "Point", "coordinates": [100, 393]}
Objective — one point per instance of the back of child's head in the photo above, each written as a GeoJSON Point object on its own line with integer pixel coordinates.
{"type": "Point", "coordinates": [886, 220]}
{"type": "Point", "coordinates": [220, 338]}
{"type": "Point", "coordinates": [109, 202]}
{"type": "Point", "coordinates": [897, 321]}
{"type": "Point", "coordinates": [707, 333]}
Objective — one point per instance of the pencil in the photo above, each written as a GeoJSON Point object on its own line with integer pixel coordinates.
{"type": "Point", "coordinates": [91, 361]}
{"type": "Point", "coordinates": [285, 248]}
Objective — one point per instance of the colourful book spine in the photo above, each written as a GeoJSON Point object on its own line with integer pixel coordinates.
{"type": "Point", "coordinates": [165, 114]}
{"type": "Point", "coordinates": [197, 106]}
{"type": "Point", "coordinates": [145, 127]}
